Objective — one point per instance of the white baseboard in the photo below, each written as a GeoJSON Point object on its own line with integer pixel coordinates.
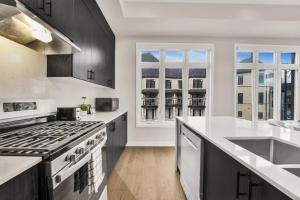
{"type": "Point", "coordinates": [150, 144]}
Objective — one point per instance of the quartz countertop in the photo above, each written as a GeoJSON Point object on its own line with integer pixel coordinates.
{"type": "Point", "coordinates": [12, 166]}
{"type": "Point", "coordinates": [106, 117]}
{"type": "Point", "coordinates": [217, 129]}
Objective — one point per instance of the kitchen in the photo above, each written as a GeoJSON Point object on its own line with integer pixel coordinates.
{"type": "Point", "coordinates": [102, 49]}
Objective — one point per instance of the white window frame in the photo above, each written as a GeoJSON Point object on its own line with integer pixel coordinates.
{"type": "Point", "coordinates": [185, 66]}
{"type": "Point", "coordinates": [277, 67]}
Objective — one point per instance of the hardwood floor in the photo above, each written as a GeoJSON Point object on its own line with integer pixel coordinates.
{"type": "Point", "coordinates": [145, 173]}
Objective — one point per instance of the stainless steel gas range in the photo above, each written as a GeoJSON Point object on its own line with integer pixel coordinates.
{"type": "Point", "coordinates": [72, 151]}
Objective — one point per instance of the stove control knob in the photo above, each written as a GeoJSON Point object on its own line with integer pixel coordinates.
{"type": "Point", "coordinates": [80, 150]}
{"type": "Point", "coordinates": [58, 179]}
{"type": "Point", "coordinates": [91, 142]}
{"type": "Point", "coordinates": [99, 136]}
{"type": "Point", "coordinates": [71, 157]}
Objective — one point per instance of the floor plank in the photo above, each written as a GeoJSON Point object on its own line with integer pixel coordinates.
{"type": "Point", "coordinates": [145, 173]}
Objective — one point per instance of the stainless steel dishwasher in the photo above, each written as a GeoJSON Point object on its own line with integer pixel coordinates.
{"type": "Point", "coordinates": [191, 176]}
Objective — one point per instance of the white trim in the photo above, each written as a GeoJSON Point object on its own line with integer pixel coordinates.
{"type": "Point", "coordinates": [150, 144]}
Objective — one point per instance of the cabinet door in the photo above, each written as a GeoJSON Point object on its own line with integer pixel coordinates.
{"type": "Point", "coordinates": [259, 189]}
{"type": "Point", "coordinates": [223, 177]}
{"type": "Point", "coordinates": [82, 37]}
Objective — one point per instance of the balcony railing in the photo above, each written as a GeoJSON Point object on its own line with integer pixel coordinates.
{"type": "Point", "coordinates": [151, 102]}
{"type": "Point", "coordinates": [173, 101]}
{"type": "Point", "coordinates": [197, 102]}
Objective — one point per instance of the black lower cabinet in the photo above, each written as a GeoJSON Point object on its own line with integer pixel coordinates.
{"type": "Point", "coordinates": [22, 187]}
{"type": "Point", "coordinates": [116, 141]}
{"type": "Point", "coordinates": [227, 179]}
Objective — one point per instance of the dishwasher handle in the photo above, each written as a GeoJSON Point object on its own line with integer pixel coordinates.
{"type": "Point", "coordinates": [190, 142]}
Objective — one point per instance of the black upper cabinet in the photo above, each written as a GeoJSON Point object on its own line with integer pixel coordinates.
{"type": "Point", "coordinates": [83, 23]}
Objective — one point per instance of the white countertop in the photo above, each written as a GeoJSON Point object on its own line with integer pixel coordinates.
{"type": "Point", "coordinates": [12, 166]}
{"type": "Point", "coordinates": [106, 117]}
{"type": "Point", "coordinates": [217, 129]}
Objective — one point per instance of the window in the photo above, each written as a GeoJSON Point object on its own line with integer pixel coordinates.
{"type": "Point", "coordinates": [197, 83]}
{"type": "Point", "coordinates": [240, 80]}
{"type": "Point", "coordinates": [260, 115]}
{"type": "Point", "coordinates": [287, 94]}
{"type": "Point", "coordinates": [244, 57]}
{"type": "Point", "coordinates": [260, 98]}
{"type": "Point", "coordinates": [161, 75]}
{"type": "Point", "coordinates": [174, 56]}
{"type": "Point", "coordinates": [273, 72]}
{"type": "Point", "coordinates": [168, 84]}
{"type": "Point", "coordinates": [197, 56]}
{"type": "Point", "coordinates": [244, 93]}
{"type": "Point", "coordinates": [179, 84]}
{"type": "Point", "coordinates": [266, 57]}
{"type": "Point", "coordinates": [240, 98]}
{"type": "Point", "coordinates": [150, 83]}
{"type": "Point", "coordinates": [240, 114]}
{"type": "Point", "coordinates": [288, 58]}
{"type": "Point", "coordinates": [150, 56]}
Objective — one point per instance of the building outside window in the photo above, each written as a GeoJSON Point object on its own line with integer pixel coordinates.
{"type": "Point", "coordinates": [180, 84]}
{"type": "Point", "coordinates": [270, 79]}
{"type": "Point", "coordinates": [168, 84]}
{"type": "Point", "coordinates": [240, 80]}
{"type": "Point", "coordinates": [260, 98]}
{"type": "Point", "coordinates": [174, 82]}
{"type": "Point", "coordinates": [150, 83]}
{"type": "Point", "coordinates": [240, 114]}
{"type": "Point", "coordinates": [240, 98]}
{"type": "Point", "coordinates": [197, 83]}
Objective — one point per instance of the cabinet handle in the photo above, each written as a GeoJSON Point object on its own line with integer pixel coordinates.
{"type": "Point", "coordinates": [88, 74]}
{"type": "Point", "coordinates": [250, 188]}
{"type": "Point", "coordinates": [112, 126]}
{"type": "Point", "coordinates": [238, 177]}
{"type": "Point", "coordinates": [109, 82]}
{"type": "Point", "coordinates": [49, 4]}
{"type": "Point", "coordinates": [123, 117]}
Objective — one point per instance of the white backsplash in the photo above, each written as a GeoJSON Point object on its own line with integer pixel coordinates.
{"type": "Point", "coordinates": [23, 74]}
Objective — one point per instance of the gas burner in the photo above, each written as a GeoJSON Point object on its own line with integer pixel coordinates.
{"type": "Point", "coordinates": [44, 138]}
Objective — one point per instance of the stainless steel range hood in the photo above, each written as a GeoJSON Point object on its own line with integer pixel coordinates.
{"type": "Point", "coordinates": [19, 24]}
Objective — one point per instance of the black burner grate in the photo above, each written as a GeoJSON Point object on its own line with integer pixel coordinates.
{"type": "Point", "coordinates": [43, 138]}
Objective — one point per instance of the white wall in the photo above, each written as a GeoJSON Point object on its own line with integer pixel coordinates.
{"type": "Point", "coordinates": [23, 75]}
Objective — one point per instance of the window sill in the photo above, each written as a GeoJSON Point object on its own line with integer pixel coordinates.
{"type": "Point", "coordinates": [150, 124]}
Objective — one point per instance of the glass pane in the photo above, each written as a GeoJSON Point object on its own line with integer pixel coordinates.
{"type": "Point", "coordinates": [244, 94]}
{"type": "Point", "coordinates": [173, 93]}
{"type": "Point", "coordinates": [244, 57]}
{"type": "Point", "coordinates": [265, 94]}
{"type": "Point", "coordinates": [197, 57]}
{"type": "Point", "coordinates": [287, 94]}
{"type": "Point", "coordinates": [266, 57]}
{"type": "Point", "coordinates": [288, 58]}
{"type": "Point", "coordinates": [150, 56]}
{"type": "Point", "coordinates": [150, 94]}
{"type": "Point", "coordinates": [196, 92]}
{"type": "Point", "coordinates": [174, 56]}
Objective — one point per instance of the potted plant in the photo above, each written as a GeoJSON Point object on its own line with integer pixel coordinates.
{"type": "Point", "coordinates": [83, 108]}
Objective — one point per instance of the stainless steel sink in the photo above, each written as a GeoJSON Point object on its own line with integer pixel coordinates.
{"type": "Point", "coordinates": [275, 151]}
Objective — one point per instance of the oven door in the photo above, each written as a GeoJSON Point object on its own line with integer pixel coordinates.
{"type": "Point", "coordinates": [71, 183]}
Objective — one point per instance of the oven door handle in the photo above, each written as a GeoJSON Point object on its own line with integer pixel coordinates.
{"type": "Point", "coordinates": [70, 170]}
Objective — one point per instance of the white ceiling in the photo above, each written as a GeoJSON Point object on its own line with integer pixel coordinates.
{"type": "Point", "coordinates": [218, 18]}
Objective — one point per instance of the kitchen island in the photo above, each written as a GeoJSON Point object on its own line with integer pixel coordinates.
{"type": "Point", "coordinates": [234, 164]}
